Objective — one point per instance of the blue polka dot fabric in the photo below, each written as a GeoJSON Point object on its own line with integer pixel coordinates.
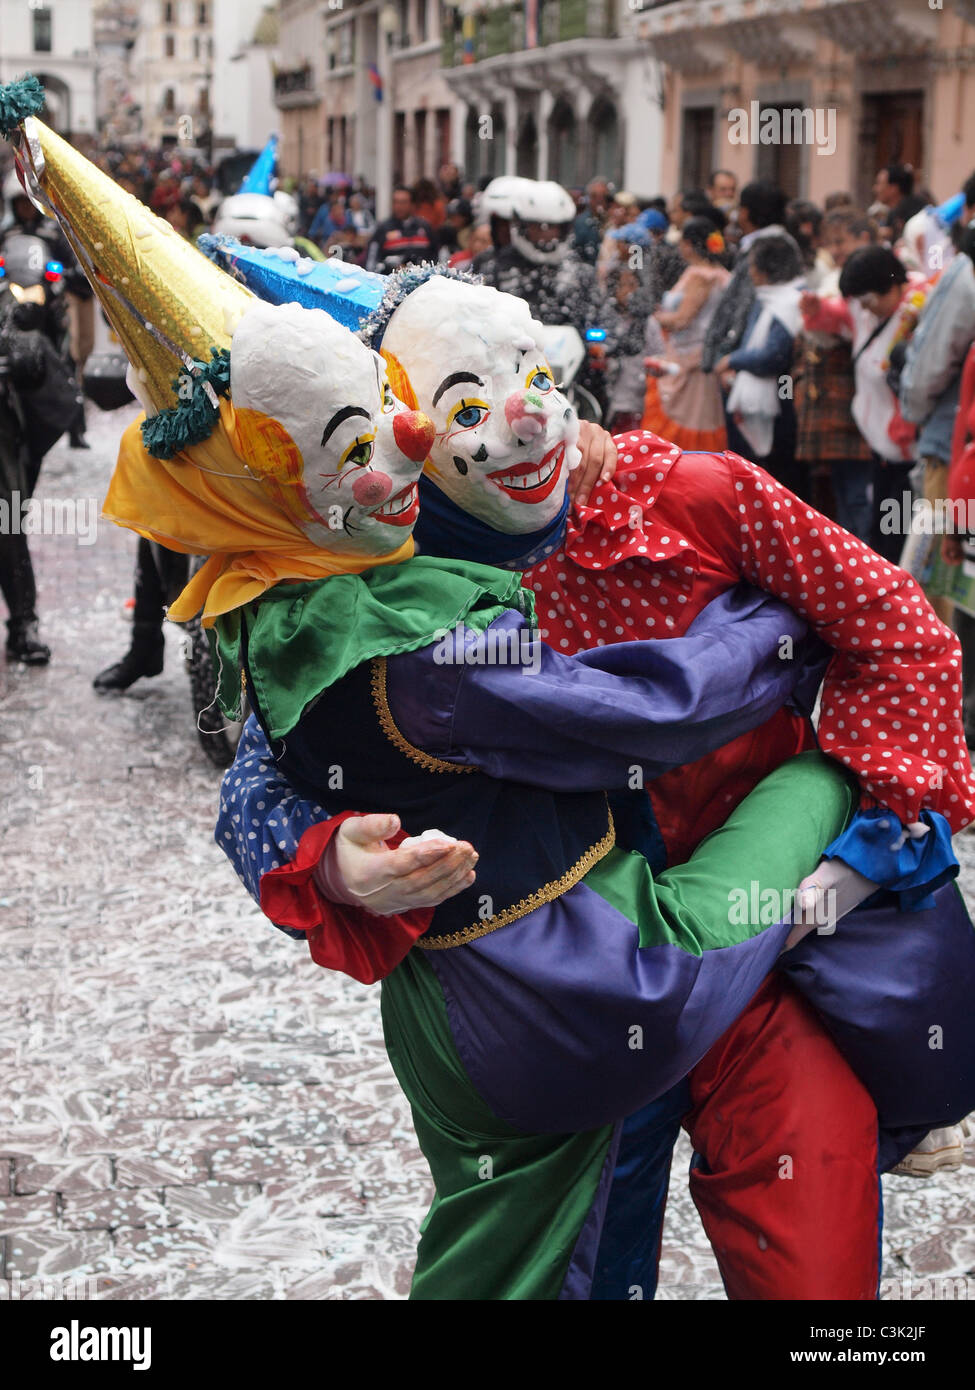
{"type": "Point", "coordinates": [261, 818]}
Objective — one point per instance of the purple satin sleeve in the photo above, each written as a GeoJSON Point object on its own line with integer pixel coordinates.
{"type": "Point", "coordinates": [510, 705]}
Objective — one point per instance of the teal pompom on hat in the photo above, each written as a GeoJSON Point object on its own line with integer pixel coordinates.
{"type": "Point", "coordinates": [18, 100]}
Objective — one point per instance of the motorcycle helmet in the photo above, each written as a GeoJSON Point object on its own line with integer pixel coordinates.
{"type": "Point", "coordinates": [254, 218]}
{"type": "Point", "coordinates": [543, 214]}
{"type": "Point", "coordinates": [496, 204]}
{"type": "Point", "coordinates": [287, 206]}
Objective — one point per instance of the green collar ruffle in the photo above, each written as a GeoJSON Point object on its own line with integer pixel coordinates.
{"type": "Point", "coordinates": [302, 638]}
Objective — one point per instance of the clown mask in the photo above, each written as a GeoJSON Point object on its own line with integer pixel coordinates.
{"type": "Point", "coordinates": [317, 422]}
{"type": "Point", "coordinates": [505, 435]}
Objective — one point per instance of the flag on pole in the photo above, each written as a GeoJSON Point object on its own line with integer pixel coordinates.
{"type": "Point", "coordinates": [376, 80]}
{"type": "Point", "coordinates": [469, 32]}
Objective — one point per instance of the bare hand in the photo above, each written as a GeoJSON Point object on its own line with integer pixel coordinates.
{"type": "Point", "coordinates": [388, 880]}
{"type": "Point", "coordinates": [598, 461]}
{"type": "Point", "coordinates": [808, 303]}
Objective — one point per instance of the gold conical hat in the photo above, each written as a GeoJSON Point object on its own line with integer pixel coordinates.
{"type": "Point", "coordinates": [168, 304]}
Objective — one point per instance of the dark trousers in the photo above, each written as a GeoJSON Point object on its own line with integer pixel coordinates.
{"type": "Point", "coordinates": [160, 574]}
{"type": "Point", "coordinates": [890, 482]}
{"type": "Point", "coordinates": [17, 583]}
{"type": "Point", "coordinates": [781, 462]}
{"type": "Point", "coordinates": [852, 479]}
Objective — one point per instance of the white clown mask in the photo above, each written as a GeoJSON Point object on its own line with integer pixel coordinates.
{"type": "Point", "coordinates": [505, 436]}
{"type": "Point", "coordinates": [347, 455]}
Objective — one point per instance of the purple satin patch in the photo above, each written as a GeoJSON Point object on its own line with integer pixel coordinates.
{"type": "Point", "coordinates": [577, 1285]}
{"type": "Point", "coordinates": [520, 711]}
{"type": "Point", "coordinates": [564, 1023]}
{"type": "Point", "coordinates": [897, 992]}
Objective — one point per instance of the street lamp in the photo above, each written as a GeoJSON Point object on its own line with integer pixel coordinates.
{"type": "Point", "coordinates": [388, 21]}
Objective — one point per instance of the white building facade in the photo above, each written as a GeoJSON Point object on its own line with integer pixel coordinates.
{"type": "Point", "coordinates": [559, 89]}
{"type": "Point", "coordinates": [116, 107]}
{"type": "Point", "coordinates": [56, 43]}
{"type": "Point", "coordinates": [245, 34]}
{"type": "Point", "coordinates": [361, 92]}
{"type": "Point", "coordinates": [172, 71]}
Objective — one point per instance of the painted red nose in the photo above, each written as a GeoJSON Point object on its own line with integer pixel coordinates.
{"type": "Point", "coordinates": [414, 434]}
{"type": "Point", "coordinates": [371, 488]}
{"type": "Point", "coordinates": [525, 414]}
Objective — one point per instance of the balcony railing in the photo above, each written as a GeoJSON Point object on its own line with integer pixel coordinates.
{"type": "Point", "coordinates": [502, 30]}
{"type": "Point", "coordinates": [293, 80]}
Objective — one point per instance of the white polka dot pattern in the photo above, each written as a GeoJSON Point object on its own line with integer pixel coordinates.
{"type": "Point", "coordinates": [660, 541]}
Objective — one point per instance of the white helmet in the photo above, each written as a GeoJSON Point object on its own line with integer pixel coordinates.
{"type": "Point", "coordinates": [253, 218]}
{"type": "Point", "coordinates": [497, 200]}
{"type": "Point", "coordinates": [287, 205]}
{"type": "Point", "coordinates": [546, 205]}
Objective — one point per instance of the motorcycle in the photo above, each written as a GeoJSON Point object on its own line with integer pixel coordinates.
{"type": "Point", "coordinates": [571, 361]}
{"type": "Point", "coordinates": [35, 280]}
{"type": "Point", "coordinates": [31, 295]}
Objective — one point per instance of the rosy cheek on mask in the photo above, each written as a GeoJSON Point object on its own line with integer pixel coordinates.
{"type": "Point", "coordinates": [371, 488]}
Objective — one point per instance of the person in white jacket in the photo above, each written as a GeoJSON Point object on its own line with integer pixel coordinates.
{"type": "Point", "coordinates": [877, 309]}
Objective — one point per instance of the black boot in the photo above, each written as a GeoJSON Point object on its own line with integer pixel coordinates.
{"type": "Point", "coordinates": [19, 591]}
{"type": "Point", "coordinates": [24, 645]}
{"type": "Point", "coordinates": [76, 434]}
{"type": "Point", "coordinates": [144, 658]}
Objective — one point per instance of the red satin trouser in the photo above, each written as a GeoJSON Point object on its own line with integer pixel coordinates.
{"type": "Point", "coordinates": [787, 1187]}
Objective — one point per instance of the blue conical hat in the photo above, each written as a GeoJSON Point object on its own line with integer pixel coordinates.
{"type": "Point", "coordinates": [282, 276]}
{"type": "Point", "coordinates": [261, 172]}
{"type": "Point", "coordinates": [359, 299]}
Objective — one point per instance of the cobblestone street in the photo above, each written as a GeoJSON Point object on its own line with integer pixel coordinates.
{"type": "Point", "coordinates": [189, 1107]}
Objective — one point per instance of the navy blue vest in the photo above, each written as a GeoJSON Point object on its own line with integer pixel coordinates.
{"type": "Point", "coordinates": [346, 753]}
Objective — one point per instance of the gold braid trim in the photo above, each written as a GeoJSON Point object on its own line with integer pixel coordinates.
{"type": "Point", "coordinates": [425, 760]}
{"type": "Point", "coordinates": [547, 894]}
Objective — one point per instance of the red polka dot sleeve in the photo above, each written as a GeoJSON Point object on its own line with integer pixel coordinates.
{"type": "Point", "coordinates": [891, 702]}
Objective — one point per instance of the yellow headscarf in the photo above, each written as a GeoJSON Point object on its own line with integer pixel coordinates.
{"type": "Point", "coordinates": [209, 501]}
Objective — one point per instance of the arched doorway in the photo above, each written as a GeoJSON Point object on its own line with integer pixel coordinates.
{"type": "Point", "coordinates": [526, 148]}
{"type": "Point", "coordinates": [563, 144]}
{"type": "Point", "coordinates": [57, 106]}
{"type": "Point", "coordinates": [604, 140]}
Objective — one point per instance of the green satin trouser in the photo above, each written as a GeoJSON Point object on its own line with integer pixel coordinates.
{"type": "Point", "coordinates": [509, 1207]}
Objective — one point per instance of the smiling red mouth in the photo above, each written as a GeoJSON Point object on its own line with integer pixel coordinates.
{"type": "Point", "coordinates": [531, 482]}
{"type": "Point", "coordinates": [401, 509]}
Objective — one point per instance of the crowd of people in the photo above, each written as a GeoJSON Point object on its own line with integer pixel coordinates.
{"type": "Point", "coordinates": [825, 343]}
